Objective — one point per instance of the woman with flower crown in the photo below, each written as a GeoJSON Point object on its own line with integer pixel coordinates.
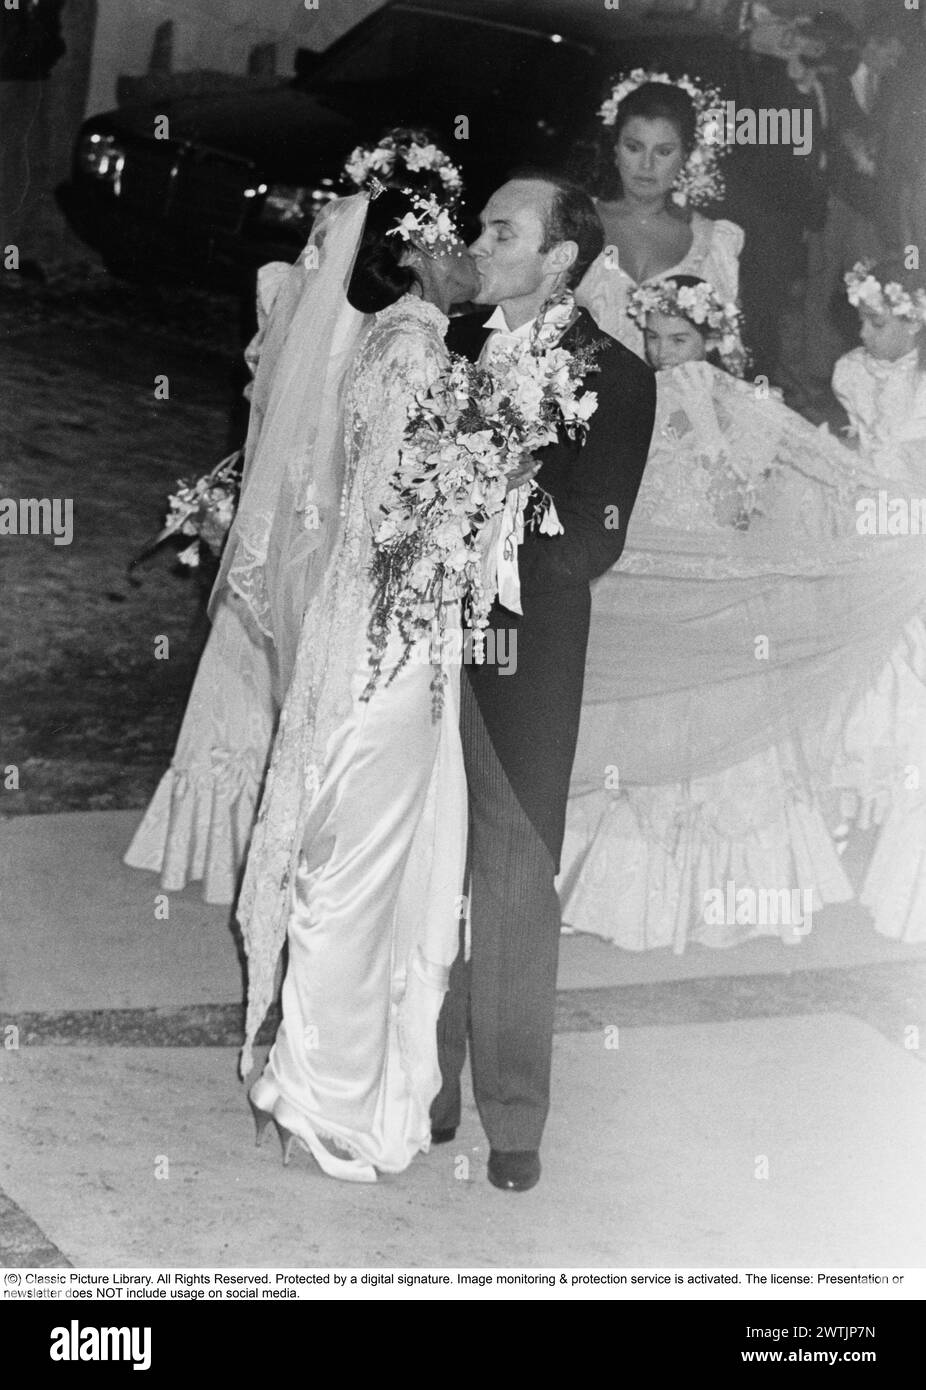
{"type": "Point", "coordinates": [356, 858]}
{"type": "Point", "coordinates": [734, 654]}
{"type": "Point", "coordinates": [658, 160]}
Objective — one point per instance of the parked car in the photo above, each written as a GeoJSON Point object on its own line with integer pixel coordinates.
{"type": "Point", "coordinates": [239, 176]}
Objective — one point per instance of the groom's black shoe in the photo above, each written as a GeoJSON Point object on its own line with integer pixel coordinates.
{"type": "Point", "coordinates": [515, 1170]}
{"type": "Point", "coordinates": [443, 1136]}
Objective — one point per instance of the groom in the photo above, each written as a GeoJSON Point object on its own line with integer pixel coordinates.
{"type": "Point", "coordinates": [519, 727]}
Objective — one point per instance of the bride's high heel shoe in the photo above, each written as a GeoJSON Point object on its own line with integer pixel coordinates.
{"type": "Point", "coordinates": [262, 1119]}
{"type": "Point", "coordinates": [347, 1169]}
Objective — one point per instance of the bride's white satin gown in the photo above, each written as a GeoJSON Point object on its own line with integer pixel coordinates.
{"type": "Point", "coordinates": [373, 929]}
{"type": "Point", "coordinates": [375, 902]}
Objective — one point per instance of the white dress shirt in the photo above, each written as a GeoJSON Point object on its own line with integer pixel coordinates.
{"type": "Point", "coordinates": [502, 335]}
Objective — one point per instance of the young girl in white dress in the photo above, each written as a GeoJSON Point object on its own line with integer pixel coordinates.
{"type": "Point", "coordinates": [727, 649]}
{"type": "Point", "coordinates": [659, 161]}
{"type": "Point", "coordinates": [882, 384]}
{"type": "Point", "coordinates": [881, 745]}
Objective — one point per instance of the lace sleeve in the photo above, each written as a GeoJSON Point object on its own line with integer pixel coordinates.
{"type": "Point", "coordinates": [799, 482]}
{"type": "Point", "coordinates": [396, 364]}
{"type": "Point", "coordinates": [751, 461]}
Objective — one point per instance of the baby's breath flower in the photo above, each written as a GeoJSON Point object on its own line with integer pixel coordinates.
{"type": "Point", "coordinates": [866, 291]}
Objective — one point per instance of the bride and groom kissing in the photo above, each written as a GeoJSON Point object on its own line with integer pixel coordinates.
{"type": "Point", "coordinates": [407, 853]}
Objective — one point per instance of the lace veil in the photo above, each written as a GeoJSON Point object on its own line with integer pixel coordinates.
{"type": "Point", "coordinates": [288, 520]}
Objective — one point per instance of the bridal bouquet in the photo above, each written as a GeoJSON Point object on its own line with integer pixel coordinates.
{"type": "Point", "coordinates": [204, 509]}
{"type": "Point", "coordinates": [465, 436]}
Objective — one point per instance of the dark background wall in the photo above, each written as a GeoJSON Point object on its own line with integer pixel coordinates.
{"type": "Point", "coordinates": [38, 119]}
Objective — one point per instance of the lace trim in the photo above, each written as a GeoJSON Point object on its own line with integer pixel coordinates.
{"type": "Point", "coordinates": [413, 307]}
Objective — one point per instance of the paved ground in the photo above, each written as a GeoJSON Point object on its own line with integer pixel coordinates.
{"type": "Point", "coordinates": [763, 1106]}
{"type": "Point", "coordinates": [89, 714]}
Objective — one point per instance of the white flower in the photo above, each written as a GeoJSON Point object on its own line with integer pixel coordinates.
{"type": "Point", "coordinates": [224, 512]}
{"type": "Point", "coordinates": [585, 407]}
{"type": "Point", "coordinates": [528, 396]}
{"type": "Point", "coordinates": [863, 289]}
{"type": "Point", "coordinates": [190, 556]}
{"type": "Point", "coordinates": [444, 224]}
{"type": "Point", "coordinates": [550, 524]}
{"type": "Point", "coordinates": [421, 575]}
{"type": "Point", "coordinates": [407, 228]}
{"type": "Point", "coordinates": [478, 442]}
{"type": "Point", "coordinates": [387, 531]}
{"type": "Point", "coordinates": [422, 156]}
{"type": "Point", "coordinates": [381, 160]}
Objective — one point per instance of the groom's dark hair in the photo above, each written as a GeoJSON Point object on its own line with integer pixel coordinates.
{"type": "Point", "coordinates": [572, 216]}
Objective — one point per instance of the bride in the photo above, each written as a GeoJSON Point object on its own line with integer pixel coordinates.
{"type": "Point", "coordinates": [357, 856]}
{"type": "Point", "coordinates": [731, 647]}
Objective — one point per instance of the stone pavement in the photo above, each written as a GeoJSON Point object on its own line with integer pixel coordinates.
{"type": "Point", "coordinates": [761, 1106]}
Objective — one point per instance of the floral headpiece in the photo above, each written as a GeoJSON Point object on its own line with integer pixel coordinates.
{"type": "Point", "coordinates": [700, 180]}
{"type": "Point", "coordinates": [430, 223]}
{"type": "Point", "coordinates": [702, 305]}
{"type": "Point", "coordinates": [865, 291]}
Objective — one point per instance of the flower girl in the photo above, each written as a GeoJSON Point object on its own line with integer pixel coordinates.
{"type": "Point", "coordinates": [882, 384]}
{"type": "Point", "coordinates": [730, 647]}
{"type": "Point", "coordinates": [881, 745]}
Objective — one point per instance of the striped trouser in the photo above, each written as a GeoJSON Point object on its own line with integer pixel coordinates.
{"type": "Point", "coordinates": [503, 999]}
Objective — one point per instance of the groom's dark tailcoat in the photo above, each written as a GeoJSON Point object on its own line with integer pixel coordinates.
{"type": "Point", "coordinates": [519, 732]}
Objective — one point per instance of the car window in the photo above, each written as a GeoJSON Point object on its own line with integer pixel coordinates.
{"type": "Point", "coordinates": [459, 60]}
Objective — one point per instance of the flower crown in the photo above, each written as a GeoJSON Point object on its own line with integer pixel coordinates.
{"type": "Point", "coordinates": [702, 305]}
{"type": "Point", "coordinates": [700, 180]}
{"type": "Point", "coordinates": [865, 291]}
{"type": "Point", "coordinates": [430, 223]}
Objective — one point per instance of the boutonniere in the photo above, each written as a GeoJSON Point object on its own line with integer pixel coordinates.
{"type": "Point", "coordinates": [586, 353]}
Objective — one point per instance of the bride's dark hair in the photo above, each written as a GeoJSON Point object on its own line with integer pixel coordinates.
{"type": "Point", "coordinates": [653, 101]}
{"type": "Point", "coordinates": [379, 279]}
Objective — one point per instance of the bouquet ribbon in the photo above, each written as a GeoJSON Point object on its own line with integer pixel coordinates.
{"type": "Point", "coordinates": [511, 534]}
